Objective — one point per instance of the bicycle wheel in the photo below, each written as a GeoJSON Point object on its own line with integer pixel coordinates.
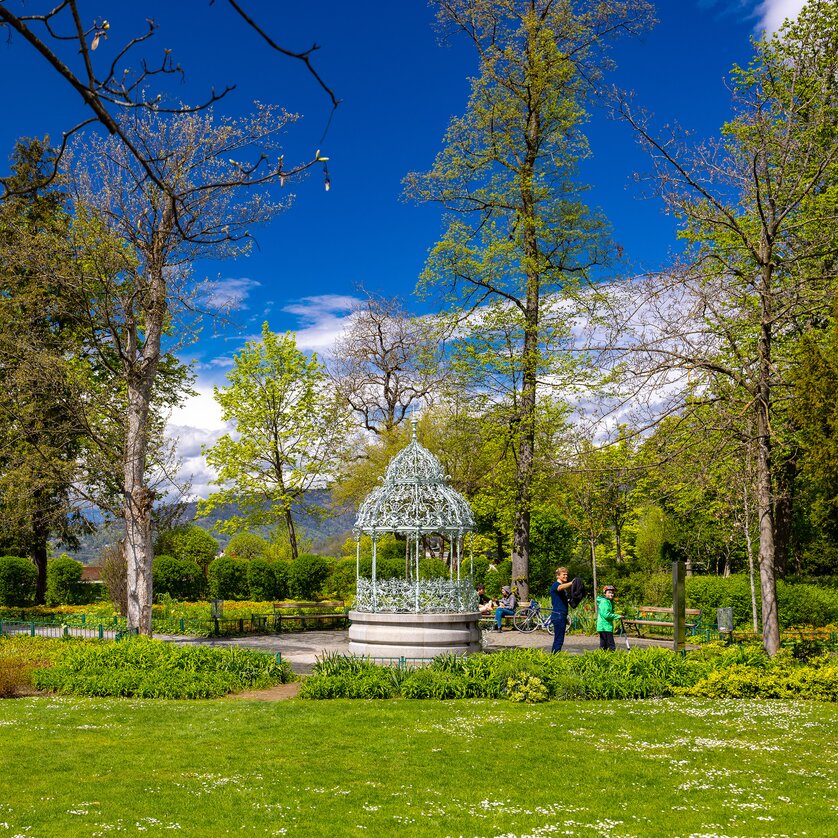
{"type": "Point", "coordinates": [550, 627]}
{"type": "Point", "coordinates": [525, 621]}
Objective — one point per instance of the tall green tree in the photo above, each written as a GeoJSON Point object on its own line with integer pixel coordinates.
{"type": "Point", "coordinates": [759, 208]}
{"type": "Point", "coordinates": [519, 233]}
{"type": "Point", "coordinates": [290, 429]}
{"type": "Point", "coordinates": [40, 439]}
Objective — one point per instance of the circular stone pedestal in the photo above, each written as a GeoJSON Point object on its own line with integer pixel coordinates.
{"type": "Point", "coordinates": [413, 635]}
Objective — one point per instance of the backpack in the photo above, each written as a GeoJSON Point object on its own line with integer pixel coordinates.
{"type": "Point", "coordinates": [576, 593]}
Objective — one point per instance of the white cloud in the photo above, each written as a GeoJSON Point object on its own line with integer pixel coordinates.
{"type": "Point", "coordinates": [323, 319]}
{"type": "Point", "coordinates": [228, 294]}
{"type": "Point", "coordinates": [772, 13]}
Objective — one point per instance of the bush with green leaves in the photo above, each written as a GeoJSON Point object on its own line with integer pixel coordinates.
{"type": "Point", "coordinates": [145, 668]}
{"type": "Point", "coordinates": [797, 604]}
{"type": "Point", "coordinates": [63, 581]}
{"type": "Point", "coordinates": [531, 675]}
{"type": "Point", "coordinates": [248, 546]}
{"type": "Point", "coordinates": [308, 575]}
{"type": "Point", "coordinates": [227, 578]}
{"type": "Point", "coordinates": [177, 578]}
{"type": "Point", "coordinates": [18, 581]}
{"type": "Point", "coordinates": [261, 580]}
{"type": "Point", "coordinates": [190, 542]}
{"type": "Point", "coordinates": [282, 573]}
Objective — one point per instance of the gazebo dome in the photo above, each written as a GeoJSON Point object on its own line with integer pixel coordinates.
{"type": "Point", "coordinates": [414, 498]}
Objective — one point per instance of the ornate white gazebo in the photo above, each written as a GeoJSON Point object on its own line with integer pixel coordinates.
{"type": "Point", "coordinates": [411, 617]}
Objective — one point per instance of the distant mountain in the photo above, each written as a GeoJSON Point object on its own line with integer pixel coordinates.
{"type": "Point", "coordinates": [322, 530]}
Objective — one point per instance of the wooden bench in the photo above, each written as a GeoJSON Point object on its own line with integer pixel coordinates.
{"type": "Point", "coordinates": [637, 624]}
{"type": "Point", "coordinates": [334, 613]}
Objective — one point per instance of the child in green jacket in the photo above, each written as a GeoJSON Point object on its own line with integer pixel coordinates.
{"type": "Point", "coordinates": [606, 617]}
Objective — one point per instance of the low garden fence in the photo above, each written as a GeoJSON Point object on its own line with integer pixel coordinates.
{"type": "Point", "coordinates": [93, 626]}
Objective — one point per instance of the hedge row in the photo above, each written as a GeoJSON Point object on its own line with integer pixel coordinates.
{"type": "Point", "coordinates": [530, 675]}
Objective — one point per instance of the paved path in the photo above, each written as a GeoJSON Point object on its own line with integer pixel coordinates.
{"type": "Point", "coordinates": [301, 649]}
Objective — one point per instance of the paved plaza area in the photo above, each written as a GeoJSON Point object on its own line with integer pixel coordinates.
{"type": "Point", "coordinates": [301, 649]}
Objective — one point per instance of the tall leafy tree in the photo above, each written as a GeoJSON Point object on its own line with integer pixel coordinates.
{"type": "Point", "coordinates": [290, 428]}
{"type": "Point", "coordinates": [518, 230]}
{"type": "Point", "coordinates": [759, 207]}
{"type": "Point", "coordinates": [40, 440]}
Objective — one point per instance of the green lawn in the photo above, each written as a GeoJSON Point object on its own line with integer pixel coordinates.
{"type": "Point", "coordinates": [676, 767]}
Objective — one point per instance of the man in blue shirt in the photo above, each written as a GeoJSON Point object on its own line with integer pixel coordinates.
{"type": "Point", "coordinates": [559, 607]}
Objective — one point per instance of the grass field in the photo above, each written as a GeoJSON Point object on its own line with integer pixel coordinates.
{"type": "Point", "coordinates": [675, 767]}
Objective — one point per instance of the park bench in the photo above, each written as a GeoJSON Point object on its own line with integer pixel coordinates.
{"type": "Point", "coordinates": [653, 616]}
{"type": "Point", "coordinates": [332, 614]}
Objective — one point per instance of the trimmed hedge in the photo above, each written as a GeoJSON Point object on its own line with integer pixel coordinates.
{"type": "Point", "coordinates": [179, 578]}
{"type": "Point", "coordinates": [63, 581]}
{"type": "Point", "coordinates": [18, 581]}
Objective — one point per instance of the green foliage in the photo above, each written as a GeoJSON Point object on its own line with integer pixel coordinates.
{"type": "Point", "coordinates": [430, 568]}
{"type": "Point", "coordinates": [308, 575]}
{"type": "Point", "coordinates": [178, 578]}
{"type": "Point", "coordinates": [261, 579]}
{"type": "Point", "coordinates": [282, 573]}
{"type": "Point", "coordinates": [527, 688]}
{"type": "Point", "coordinates": [18, 578]}
{"type": "Point", "coordinates": [432, 683]}
{"type": "Point", "coordinates": [227, 578]}
{"type": "Point", "coordinates": [247, 545]}
{"type": "Point", "coordinates": [193, 544]}
{"type": "Point", "coordinates": [290, 429]}
{"type": "Point", "coordinates": [797, 604]}
{"type": "Point", "coordinates": [552, 544]}
{"type": "Point", "coordinates": [145, 668]}
{"type": "Point", "coordinates": [63, 581]}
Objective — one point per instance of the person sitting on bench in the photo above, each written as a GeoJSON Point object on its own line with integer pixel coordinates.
{"type": "Point", "coordinates": [506, 607]}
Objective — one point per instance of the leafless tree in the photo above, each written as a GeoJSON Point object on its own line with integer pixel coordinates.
{"type": "Point", "coordinates": [66, 41]}
{"type": "Point", "coordinates": [386, 361]}
{"type": "Point", "coordinates": [134, 298]}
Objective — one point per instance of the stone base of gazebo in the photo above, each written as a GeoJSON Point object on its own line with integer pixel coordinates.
{"type": "Point", "coordinates": [413, 636]}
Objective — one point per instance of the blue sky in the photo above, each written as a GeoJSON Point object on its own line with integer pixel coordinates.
{"type": "Point", "coordinates": [399, 89]}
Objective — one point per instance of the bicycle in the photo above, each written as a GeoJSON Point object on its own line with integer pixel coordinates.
{"type": "Point", "coordinates": [532, 618]}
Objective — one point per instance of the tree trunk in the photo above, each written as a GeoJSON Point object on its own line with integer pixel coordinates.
{"type": "Point", "coordinates": [292, 532]}
{"type": "Point", "coordinates": [137, 508]}
{"type": "Point", "coordinates": [765, 500]}
{"type": "Point", "coordinates": [593, 572]}
{"type": "Point", "coordinates": [750, 546]}
{"type": "Point", "coordinates": [529, 372]}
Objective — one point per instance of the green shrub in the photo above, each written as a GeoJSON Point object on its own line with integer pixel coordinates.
{"type": "Point", "coordinates": [146, 668]}
{"type": "Point", "coordinates": [227, 578]}
{"type": "Point", "coordinates": [261, 580]}
{"type": "Point", "coordinates": [63, 581]}
{"type": "Point", "coordinates": [193, 543]}
{"type": "Point", "coordinates": [308, 575]}
{"type": "Point", "coordinates": [433, 569]}
{"type": "Point", "coordinates": [18, 581]}
{"type": "Point", "coordinates": [432, 683]}
{"type": "Point", "coordinates": [282, 573]}
{"type": "Point", "coordinates": [797, 604]}
{"type": "Point", "coordinates": [177, 578]}
{"type": "Point", "coordinates": [527, 688]}
{"type": "Point", "coordinates": [340, 583]}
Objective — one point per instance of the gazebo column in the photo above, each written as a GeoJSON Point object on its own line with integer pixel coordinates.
{"type": "Point", "coordinates": [374, 584]}
{"type": "Point", "coordinates": [416, 575]}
